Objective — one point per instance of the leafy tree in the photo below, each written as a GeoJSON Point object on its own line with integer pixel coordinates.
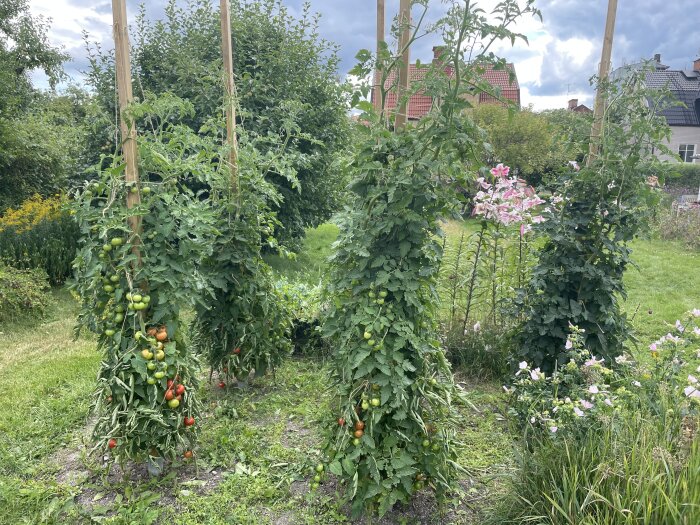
{"type": "Point", "coordinates": [573, 129]}
{"type": "Point", "coordinates": [37, 146]}
{"type": "Point", "coordinates": [523, 140]}
{"type": "Point", "coordinates": [278, 60]}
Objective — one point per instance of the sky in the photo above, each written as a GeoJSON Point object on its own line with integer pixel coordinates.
{"type": "Point", "coordinates": [562, 53]}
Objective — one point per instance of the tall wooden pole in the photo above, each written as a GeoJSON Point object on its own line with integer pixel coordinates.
{"type": "Point", "coordinates": [405, 25]}
{"type": "Point", "coordinates": [378, 102]}
{"type": "Point", "coordinates": [128, 129]}
{"type": "Point", "coordinates": [603, 72]}
{"type": "Point", "coordinates": [230, 92]}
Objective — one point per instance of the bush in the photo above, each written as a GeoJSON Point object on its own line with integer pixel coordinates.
{"type": "Point", "coordinates": [481, 351]}
{"type": "Point", "coordinates": [682, 226]}
{"type": "Point", "coordinates": [22, 293]}
{"type": "Point", "coordinates": [39, 234]}
{"type": "Point", "coordinates": [678, 178]}
{"type": "Point", "coordinates": [610, 446]}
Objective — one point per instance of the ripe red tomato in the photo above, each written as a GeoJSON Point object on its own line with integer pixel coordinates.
{"type": "Point", "coordinates": [112, 443]}
{"type": "Point", "coordinates": [170, 383]}
{"type": "Point", "coordinates": [222, 384]}
{"type": "Point", "coordinates": [180, 390]}
{"type": "Point", "coordinates": [189, 421]}
{"type": "Point", "coordinates": [237, 351]}
{"type": "Point", "coordinates": [169, 395]}
{"type": "Point", "coordinates": [358, 433]}
{"type": "Point", "coordinates": [359, 425]}
{"type": "Point", "coordinates": [179, 398]}
{"type": "Point", "coordinates": [188, 454]}
{"type": "Point", "coordinates": [341, 421]}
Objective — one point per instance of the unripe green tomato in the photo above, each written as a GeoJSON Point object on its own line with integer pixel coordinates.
{"type": "Point", "coordinates": [134, 189]}
{"type": "Point", "coordinates": [426, 443]}
{"type": "Point", "coordinates": [375, 402]}
{"type": "Point", "coordinates": [424, 324]}
{"type": "Point", "coordinates": [314, 486]}
{"type": "Point", "coordinates": [140, 306]}
{"type": "Point", "coordinates": [383, 294]}
{"type": "Point", "coordinates": [160, 355]}
{"type": "Point", "coordinates": [356, 441]}
{"type": "Point", "coordinates": [147, 354]}
{"type": "Point", "coordinates": [151, 381]}
{"type": "Point", "coordinates": [319, 468]}
{"type": "Point", "coordinates": [435, 447]}
{"type": "Point", "coordinates": [375, 387]}
{"type": "Point", "coordinates": [114, 278]}
{"type": "Point", "coordinates": [365, 405]}
{"type": "Point", "coordinates": [146, 299]}
{"type": "Point", "coordinates": [119, 309]}
{"type": "Point", "coordinates": [151, 366]}
{"type": "Point", "coordinates": [173, 403]}
{"type": "Point", "coordinates": [151, 236]}
{"type": "Point", "coordinates": [87, 193]}
{"type": "Point", "coordinates": [102, 255]}
{"type": "Point", "coordinates": [372, 295]}
{"type": "Point", "coordinates": [317, 478]}
{"type": "Point", "coordinates": [130, 306]}
{"type": "Point", "coordinates": [433, 381]}
{"type": "Point", "coordinates": [367, 335]}
{"type": "Point", "coordinates": [109, 332]}
{"type": "Point", "coordinates": [146, 190]}
{"type": "Point", "coordinates": [380, 301]}
{"type": "Point", "coordinates": [117, 241]}
{"type": "Point", "coordinates": [128, 296]}
{"type": "Point", "coordinates": [118, 317]}
{"type": "Point", "coordinates": [371, 342]}
{"type": "Point", "coordinates": [107, 247]}
{"type": "Point", "coordinates": [136, 297]}
{"type": "Point", "coordinates": [159, 375]}
{"type": "Point", "coordinates": [138, 335]}
{"type": "Point", "coordinates": [108, 288]}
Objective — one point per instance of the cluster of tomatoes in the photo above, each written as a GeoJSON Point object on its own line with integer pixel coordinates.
{"type": "Point", "coordinates": [235, 353]}
{"type": "Point", "coordinates": [319, 474]}
{"type": "Point", "coordinates": [358, 428]}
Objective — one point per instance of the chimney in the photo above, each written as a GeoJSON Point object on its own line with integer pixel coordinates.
{"type": "Point", "coordinates": [696, 65]}
{"type": "Point", "coordinates": [438, 51]}
{"type": "Point", "coordinates": [573, 104]}
{"type": "Point", "coordinates": [657, 58]}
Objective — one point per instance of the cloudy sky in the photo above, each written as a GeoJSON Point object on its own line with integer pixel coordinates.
{"type": "Point", "coordinates": [563, 51]}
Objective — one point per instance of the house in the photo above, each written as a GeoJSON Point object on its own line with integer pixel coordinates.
{"type": "Point", "coordinates": [684, 121]}
{"type": "Point", "coordinates": [578, 108]}
{"type": "Point", "coordinates": [419, 104]}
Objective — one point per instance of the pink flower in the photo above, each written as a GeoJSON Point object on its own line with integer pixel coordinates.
{"type": "Point", "coordinates": [696, 330]}
{"type": "Point", "coordinates": [553, 430]}
{"type": "Point", "coordinates": [692, 380]}
{"type": "Point", "coordinates": [593, 389]}
{"type": "Point", "coordinates": [482, 182]}
{"type": "Point", "coordinates": [578, 412]}
{"type": "Point", "coordinates": [538, 219]}
{"type": "Point", "coordinates": [696, 312]}
{"type": "Point", "coordinates": [608, 402]}
{"type": "Point", "coordinates": [653, 347]}
{"type": "Point", "coordinates": [500, 171]}
{"type": "Point", "coordinates": [586, 404]}
{"type": "Point", "coordinates": [679, 326]}
{"type": "Point", "coordinates": [593, 361]}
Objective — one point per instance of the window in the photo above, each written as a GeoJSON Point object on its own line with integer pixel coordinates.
{"type": "Point", "coordinates": [686, 151]}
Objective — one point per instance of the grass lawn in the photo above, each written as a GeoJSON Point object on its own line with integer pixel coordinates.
{"type": "Point", "coordinates": [256, 444]}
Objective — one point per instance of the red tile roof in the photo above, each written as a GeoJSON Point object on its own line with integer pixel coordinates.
{"type": "Point", "coordinates": [420, 103]}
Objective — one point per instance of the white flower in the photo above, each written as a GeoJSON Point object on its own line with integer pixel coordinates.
{"type": "Point", "coordinates": [593, 389]}
{"type": "Point", "coordinates": [636, 383]}
{"type": "Point", "coordinates": [696, 312]}
{"type": "Point", "coordinates": [522, 365]}
{"type": "Point", "coordinates": [608, 402]}
{"type": "Point", "coordinates": [578, 412]}
{"type": "Point", "coordinates": [553, 430]}
{"type": "Point", "coordinates": [569, 345]}
{"type": "Point", "coordinates": [477, 326]}
{"type": "Point", "coordinates": [696, 330]}
{"type": "Point", "coordinates": [532, 420]}
{"type": "Point", "coordinates": [535, 374]}
{"type": "Point", "coordinates": [691, 391]}
{"type": "Point", "coordinates": [621, 359]}
{"type": "Point", "coordinates": [679, 326]}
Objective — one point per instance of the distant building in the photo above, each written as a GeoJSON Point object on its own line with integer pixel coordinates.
{"type": "Point", "coordinates": [683, 120]}
{"type": "Point", "coordinates": [578, 108]}
{"type": "Point", "coordinates": [419, 104]}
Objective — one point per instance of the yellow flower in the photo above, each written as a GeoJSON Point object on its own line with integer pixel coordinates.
{"type": "Point", "coordinates": [31, 212]}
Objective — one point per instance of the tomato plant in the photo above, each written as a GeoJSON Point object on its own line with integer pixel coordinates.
{"type": "Point", "coordinates": [244, 325]}
{"type": "Point", "coordinates": [391, 375]}
{"type": "Point", "coordinates": [133, 284]}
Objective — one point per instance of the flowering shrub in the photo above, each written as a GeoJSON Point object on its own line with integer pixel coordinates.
{"type": "Point", "coordinates": [580, 393]}
{"type": "Point", "coordinates": [39, 234]}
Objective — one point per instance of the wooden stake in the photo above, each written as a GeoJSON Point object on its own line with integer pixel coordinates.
{"type": "Point", "coordinates": [603, 72]}
{"type": "Point", "coordinates": [128, 130]}
{"type": "Point", "coordinates": [230, 92]}
{"type": "Point", "coordinates": [378, 99]}
{"type": "Point", "coordinates": [404, 81]}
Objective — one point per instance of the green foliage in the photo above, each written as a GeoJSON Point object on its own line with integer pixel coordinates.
{"type": "Point", "coordinates": [22, 293]}
{"type": "Point", "coordinates": [50, 245]}
{"type": "Point", "coordinates": [680, 224]}
{"type": "Point", "coordinates": [279, 61]}
{"type": "Point", "coordinates": [523, 140]}
{"type": "Point", "coordinates": [393, 427]}
{"type": "Point", "coordinates": [631, 460]}
{"type": "Point", "coordinates": [578, 278]}
{"type": "Point", "coordinates": [572, 128]}
{"type": "Point", "coordinates": [245, 324]}
{"type": "Point", "coordinates": [133, 282]}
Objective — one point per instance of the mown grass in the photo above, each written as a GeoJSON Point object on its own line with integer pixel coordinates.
{"type": "Point", "coordinates": [256, 444]}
